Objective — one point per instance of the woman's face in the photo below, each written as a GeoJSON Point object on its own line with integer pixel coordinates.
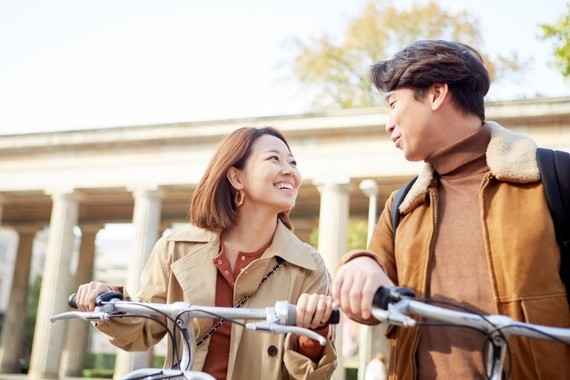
{"type": "Point", "coordinates": [270, 177]}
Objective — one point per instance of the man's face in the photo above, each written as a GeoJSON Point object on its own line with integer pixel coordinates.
{"type": "Point", "coordinates": [409, 123]}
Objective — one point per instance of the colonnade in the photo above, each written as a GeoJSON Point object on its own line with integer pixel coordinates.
{"type": "Point", "coordinates": [13, 327]}
{"type": "Point", "coordinates": [92, 169]}
{"type": "Point", "coordinates": [59, 348]}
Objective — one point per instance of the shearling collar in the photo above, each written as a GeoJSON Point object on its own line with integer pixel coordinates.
{"type": "Point", "coordinates": [510, 156]}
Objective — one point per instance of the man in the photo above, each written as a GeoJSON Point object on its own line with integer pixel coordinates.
{"type": "Point", "coordinates": [475, 226]}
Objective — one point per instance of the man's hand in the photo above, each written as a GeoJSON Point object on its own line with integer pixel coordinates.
{"type": "Point", "coordinates": [355, 284]}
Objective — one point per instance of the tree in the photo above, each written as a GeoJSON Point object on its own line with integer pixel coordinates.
{"type": "Point", "coordinates": [339, 71]}
{"type": "Point", "coordinates": [559, 32]}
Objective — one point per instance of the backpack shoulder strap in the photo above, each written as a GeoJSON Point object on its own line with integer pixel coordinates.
{"type": "Point", "coordinates": [398, 198]}
{"type": "Point", "coordinates": [554, 168]}
{"type": "Point", "coordinates": [562, 161]}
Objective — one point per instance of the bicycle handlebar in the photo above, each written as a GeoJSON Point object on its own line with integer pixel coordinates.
{"type": "Point", "coordinates": [287, 312]}
{"type": "Point", "coordinates": [280, 319]}
{"type": "Point", "coordinates": [102, 297]}
{"type": "Point", "coordinates": [397, 305]}
{"type": "Point", "coordinates": [385, 296]}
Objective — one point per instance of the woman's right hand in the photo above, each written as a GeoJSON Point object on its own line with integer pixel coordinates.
{"type": "Point", "coordinates": [313, 310]}
{"type": "Point", "coordinates": [87, 293]}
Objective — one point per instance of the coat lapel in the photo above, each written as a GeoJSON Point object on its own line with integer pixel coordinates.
{"type": "Point", "coordinates": [195, 269]}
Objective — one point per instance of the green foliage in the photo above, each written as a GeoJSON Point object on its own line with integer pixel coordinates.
{"type": "Point", "coordinates": [30, 323]}
{"type": "Point", "coordinates": [32, 310]}
{"type": "Point", "coordinates": [357, 235]}
{"type": "Point", "coordinates": [339, 71]}
{"type": "Point", "coordinates": [559, 34]}
{"type": "Point", "coordinates": [98, 373]}
{"type": "Point", "coordinates": [103, 365]}
{"type": "Point", "coordinates": [100, 361]}
{"type": "Point", "coordinates": [158, 361]}
{"type": "Point", "coordinates": [351, 373]}
{"type": "Point", "coordinates": [99, 366]}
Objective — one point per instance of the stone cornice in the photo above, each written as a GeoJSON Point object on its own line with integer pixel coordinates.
{"type": "Point", "coordinates": [312, 124]}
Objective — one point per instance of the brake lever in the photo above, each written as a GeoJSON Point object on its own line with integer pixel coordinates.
{"type": "Point", "coordinates": [283, 329]}
{"type": "Point", "coordinates": [88, 316]}
{"type": "Point", "coordinates": [395, 314]}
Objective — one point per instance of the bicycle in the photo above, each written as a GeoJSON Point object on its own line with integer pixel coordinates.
{"type": "Point", "coordinates": [279, 319]}
{"type": "Point", "coordinates": [397, 305]}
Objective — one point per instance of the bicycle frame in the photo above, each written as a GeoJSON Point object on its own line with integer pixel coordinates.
{"type": "Point", "coordinates": [395, 308]}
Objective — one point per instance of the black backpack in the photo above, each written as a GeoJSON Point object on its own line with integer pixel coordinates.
{"type": "Point", "coordinates": [554, 166]}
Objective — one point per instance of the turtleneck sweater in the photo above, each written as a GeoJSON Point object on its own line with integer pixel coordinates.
{"type": "Point", "coordinates": [459, 270]}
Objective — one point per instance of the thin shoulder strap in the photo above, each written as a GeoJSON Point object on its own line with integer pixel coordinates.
{"type": "Point", "coordinates": [398, 198]}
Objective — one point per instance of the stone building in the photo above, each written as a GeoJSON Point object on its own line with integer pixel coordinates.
{"type": "Point", "coordinates": [145, 175]}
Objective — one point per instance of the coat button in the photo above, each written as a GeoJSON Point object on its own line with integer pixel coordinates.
{"type": "Point", "coordinates": [272, 350]}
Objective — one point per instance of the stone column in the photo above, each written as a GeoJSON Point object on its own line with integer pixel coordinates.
{"type": "Point", "coordinates": [13, 328]}
{"type": "Point", "coordinates": [146, 220]}
{"type": "Point", "coordinates": [333, 235]}
{"type": "Point", "coordinates": [370, 189]}
{"type": "Point", "coordinates": [333, 221]}
{"type": "Point", "coordinates": [48, 336]}
{"type": "Point", "coordinates": [73, 356]}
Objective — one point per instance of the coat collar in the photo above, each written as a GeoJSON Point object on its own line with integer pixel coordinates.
{"type": "Point", "coordinates": [510, 156]}
{"type": "Point", "coordinates": [288, 246]}
{"type": "Point", "coordinates": [285, 244]}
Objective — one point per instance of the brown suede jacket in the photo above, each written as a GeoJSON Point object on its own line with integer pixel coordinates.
{"type": "Point", "coordinates": [522, 255]}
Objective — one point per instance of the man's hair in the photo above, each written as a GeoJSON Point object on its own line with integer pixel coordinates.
{"type": "Point", "coordinates": [212, 205]}
{"type": "Point", "coordinates": [423, 63]}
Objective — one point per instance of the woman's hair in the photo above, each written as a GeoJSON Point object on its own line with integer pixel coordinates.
{"type": "Point", "coordinates": [424, 63]}
{"type": "Point", "coordinates": [212, 205]}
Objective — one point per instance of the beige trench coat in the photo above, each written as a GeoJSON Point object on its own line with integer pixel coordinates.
{"type": "Point", "coordinates": [180, 268]}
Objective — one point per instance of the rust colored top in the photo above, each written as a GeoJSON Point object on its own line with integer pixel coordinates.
{"type": "Point", "coordinates": [219, 349]}
{"type": "Point", "coordinates": [459, 271]}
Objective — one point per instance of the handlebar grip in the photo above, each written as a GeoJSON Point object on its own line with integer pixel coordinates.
{"type": "Point", "coordinates": [71, 301]}
{"type": "Point", "coordinates": [103, 297]}
{"type": "Point", "coordinates": [291, 320]}
{"type": "Point", "coordinates": [385, 296]}
{"type": "Point", "coordinates": [334, 318]}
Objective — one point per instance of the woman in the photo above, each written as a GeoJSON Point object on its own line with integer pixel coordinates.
{"type": "Point", "coordinates": [238, 250]}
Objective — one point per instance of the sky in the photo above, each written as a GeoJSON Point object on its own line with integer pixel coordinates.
{"type": "Point", "coordinates": [83, 64]}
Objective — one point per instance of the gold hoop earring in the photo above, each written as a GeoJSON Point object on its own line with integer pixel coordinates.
{"type": "Point", "coordinates": [239, 198]}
